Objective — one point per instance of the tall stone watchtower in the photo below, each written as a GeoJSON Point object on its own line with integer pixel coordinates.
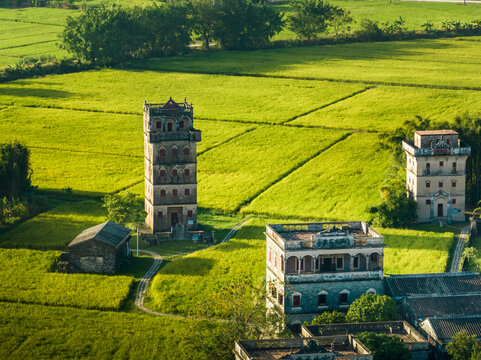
{"type": "Point", "coordinates": [436, 175]}
{"type": "Point", "coordinates": [170, 147]}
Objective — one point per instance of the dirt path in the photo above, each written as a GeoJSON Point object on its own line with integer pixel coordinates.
{"type": "Point", "coordinates": [144, 282]}
{"type": "Point", "coordinates": [458, 252]}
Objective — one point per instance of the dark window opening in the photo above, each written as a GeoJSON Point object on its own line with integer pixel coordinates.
{"type": "Point", "coordinates": [186, 151]}
{"type": "Point", "coordinates": [343, 299]}
{"type": "Point", "coordinates": [340, 263]}
{"type": "Point", "coordinates": [280, 299]}
{"type": "Point", "coordinates": [181, 124]}
{"type": "Point", "coordinates": [441, 163]}
{"type": "Point", "coordinates": [273, 291]}
{"type": "Point", "coordinates": [187, 192]}
{"type": "Point", "coordinates": [270, 256]}
{"type": "Point", "coordinates": [162, 152]}
{"type": "Point", "coordinates": [186, 172]}
{"type": "Point", "coordinates": [453, 201]}
{"type": "Point", "coordinates": [162, 173]}
{"type": "Point", "coordinates": [296, 300]}
{"type": "Point", "coordinates": [355, 263]}
{"type": "Point", "coordinates": [169, 126]}
{"type": "Point", "coordinates": [189, 213]}
{"type": "Point", "coordinates": [174, 172]}
{"type": "Point", "coordinates": [428, 184]}
{"type": "Point", "coordinates": [454, 165]}
{"type": "Point", "coordinates": [162, 192]}
{"type": "Point", "coordinates": [440, 184]}
{"type": "Point", "coordinates": [322, 300]}
{"type": "Point", "coordinates": [174, 152]}
{"type": "Point", "coordinates": [174, 192]}
{"type": "Point", "coordinates": [428, 165]}
{"type": "Point", "coordinates": [158, 125]}
{"type": "Point", "coordinates": [160, 215]}
{"type": "Point", "coordinates": [282, 263]}
{"type": "Point", "coordinates": [453, 183]}
{"type": "Point", "coordinates": [428, 202]}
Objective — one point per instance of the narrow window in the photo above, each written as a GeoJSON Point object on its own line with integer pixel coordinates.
{"type": "Point", "coordinates": [430, 143]}
{"type": "Point", "coordinates": [355, 262]}
{"type": "Point", "coordinates": [186, 151]}
{"type": "Point", "coordinates": [282, 262]}
{"type": "Point", "coordinates": [454, 165]}
{"type": "Point", "coordinates": [280, 299]}
{"type": "Point", "coordinates": [158, 125]}
{"type": "Point", "coordinates": [189, 213]}
{"type": "Point", "coordinates": [441, 163]}
{"type": "Point", "coordinates": [428, 165]}
{"type": "Point", "coordinates": [440, 184]}
{"type": "Point", "coordinates": [296, 300]}
{"type": "Point", "coordinates": [169, 126]}
{"type": "Point", "coordinates": [160, 215]}
{"type": "Point", "coordinates": [174, 172]}
{"type": "Point", "coordinates": [181, 124]}
{"type": "Point", "coordinates": [162, 152]}
{"type": "Point", "coordinates": [162, 173]}
{"type": "Point", "coordinates": [162, 192]}
{"type": "Point", "coordinates": [453, 183]}
{"type": "Point", "coordinates": [273, 291]}
{"type": "Point", "coordinates": [186, 172]}
{"type": "Point", "coordinates": [270, 256]}
{"type": "Point", "coordinates": [343, 298]}
{"type": "Point", "coordinates": [340, 263]}
{"type": "Point", "coordinates": [174, 152]}
{"type": "Point", "coordinates": [428, 202]}
{"type": "Point", "coordinates": [428, 184]}
{"type": "Point", "coordinates": [453, 201]}
{"type": "Point", "coordinates": [322, 300]}
{"type": "Point", "coordinates": [174, 192]}
{"type": "Point", "coordinates": [187, 192]}
{"type": "Point", "coordinates": [275, 261]}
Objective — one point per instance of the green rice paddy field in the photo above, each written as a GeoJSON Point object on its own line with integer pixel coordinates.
{"type": "Point", "coordinates": [286, 134]}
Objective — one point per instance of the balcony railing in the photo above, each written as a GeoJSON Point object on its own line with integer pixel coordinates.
{"type": "Point", "coordinates": [429, 172]}
{"type": "Point", "coordinates": [334, 276]}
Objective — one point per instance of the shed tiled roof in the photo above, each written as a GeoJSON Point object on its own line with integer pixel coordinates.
{"type": "Point", "coordinates": [107, 232]}
{"type": "Point", "coordinates": [427, 306]}
{"type": "Point", "coordinates": [447, 327]}
{"type": "Point", "coordinates": [428, 284]}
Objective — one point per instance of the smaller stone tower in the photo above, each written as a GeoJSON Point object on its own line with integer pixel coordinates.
{"type": "Point", "coordinates": [436, 175]}
{"type": "Point", "coordinates": [170, 147]}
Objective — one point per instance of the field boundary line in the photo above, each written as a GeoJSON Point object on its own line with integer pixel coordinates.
{"type": "Point", "coordinates": [246, 122]}
{"type": "Point", "coordinates": [142, 289]}
{"type": "Point", "coordinates": [310, 78]}
{"type": "Point", "coordinates": [227, 141]}
{"type": "Point", "coordinates": [127, 187]}
{"type": "Point", "coordinates": [234, 230]}
{"type": "Point", "coordinates": [26, 36]}
{"type": "Point", "coordinates": [85, 152]}
{"type": "Point", "coordinates": [328, 104]}
{"type": "Point", "coordinates": [24, 45]}
{"type": "Point", "coordinates": [29, 22]}
{"type": "Point", "coordinates": [290, 171]}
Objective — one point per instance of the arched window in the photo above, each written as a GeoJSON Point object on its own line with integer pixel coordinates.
{"type": "Point", "coordinates": [344, 297]}
{"type": "Point", "coordinates": [174, 152]}
{"type": "Point", "coordinates": [174, 172]}
{"type": "Point", "coordinates": [174, 192]}
{"type": "Point", "coordinates": [270, 256]}
{"type": "Point", "coordinates": [161, 152]}
{"type": "Point", "coordinates": [371, 291]}
{"type": "Point", "coordinates": [170, 126]}
{"type": "Point", "coordinates": [186, 151]}
{"type": "Point", "coordinates": [322, 298]}
{"type": "Point", "coordinates": [308, 262]}
{"type": "Point", "coordinates": [162, 172]}
{"type": "Point", "coordinates": [292, 265]}
{"type": "Point", "coordinates": [186, 172]}
{"type": "Point", "coordinates": [187, 192]}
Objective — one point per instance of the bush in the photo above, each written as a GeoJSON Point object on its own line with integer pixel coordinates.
{"type": "Point", "coordinates": [385, 347]}
{"type": "Point", "coordinates": [14, 170]}
{"type": "Point", "coordinates": [328, 317]}
{"type": "Point", "coordinates": [372, 307]}
{"type": "Point", "coordinates": [308, 18]}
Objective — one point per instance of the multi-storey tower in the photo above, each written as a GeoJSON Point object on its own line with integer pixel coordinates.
{"type": "Point", "coordinates": [321, 266]}
{"type": "Point", "coordinates": [436, 175]}
{"type": "Point", "coordinates": [170, 147]}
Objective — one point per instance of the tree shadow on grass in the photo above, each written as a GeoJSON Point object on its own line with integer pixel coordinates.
{"type": "Point", "coordinates": [32, 92]}
{"type": "Point", "coordinates": [190, 266]}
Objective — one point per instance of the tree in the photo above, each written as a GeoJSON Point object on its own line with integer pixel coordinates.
{"type": "Point", "coordinates": [472, 255]}
{"type": "Point", "coordinates": [463, 346]}
{"type": "Point", "coordinates": [204, 17]}
{"type": "Point", "coordinates": [243, 25]}
{"type": "Point", "coordinates": [244, 308]}
{"type": "Point", "coordinates": [396, 209]}
{"type": "Point", "coordinates": [328, 317]}
{"type": "Point", "coordinates": [15, 170]}
{"type": "Point", "coordinates": [372, 307]}
{"type": "Point", "coordinates": [124, 209]}
{"type": "Point", "coordinates": [385, 347]}
{"type": "Point", "coordinates": [340, 20]}
{"type": "Point", "coordinates": [309, 18]}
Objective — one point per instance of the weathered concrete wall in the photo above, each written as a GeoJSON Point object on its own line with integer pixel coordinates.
{"type": "Point", "coordinates": [98, 257]}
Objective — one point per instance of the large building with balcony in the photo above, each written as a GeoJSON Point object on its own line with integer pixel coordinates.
{"type": "Point", "coordinates": [170, 147]}
{"type": "Point", "coordinates": [436, 175]}
{"type": "Point", "coordinates": [313, 267]}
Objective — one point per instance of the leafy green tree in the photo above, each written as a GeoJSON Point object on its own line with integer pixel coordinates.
{"type": "Point", "coordinates": [204, 17]}
{"type": "Point", "coordinates": [372, 307]}
{"type": "Point", "coordinates": [472, 255]}
{"type": "Point", "coordinates": [463, 346]}
{"type": "Point", "coordinates": [385, 347]}
{"type": "Point", "coordinates": [328, 317]}
{"type": "Point", "coordinates": [309, 18]}
{"type": "Point", "coordinates": [124, 209]}
{"type": "Point", "coordinates": [15, 170]}
{"type": "Point", "coordinates": [340, 21]}
{"type": "Point", "coordinates": [244, 309]}
{"type": "Point", "coordinates": [243, 24]}
{"type": "Point", "coordinates": [396, 209]}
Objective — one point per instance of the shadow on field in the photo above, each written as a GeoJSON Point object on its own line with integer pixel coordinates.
{"type": "Point", "coordinates": [32, 92]}
{"type": "Point", "coordinates": [192, 266]}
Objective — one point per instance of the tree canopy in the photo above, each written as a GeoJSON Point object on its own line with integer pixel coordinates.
{"type": "Point", "coordinates": [125, 209]}
{"type": "Point", "coordinates": [328, 317]}
{"type": "Point", "coordinates": [385, 347]}
{"type": "Point", "coordinates": [15, 170]}
{"type": "Point", "coordinates": [372, 307]}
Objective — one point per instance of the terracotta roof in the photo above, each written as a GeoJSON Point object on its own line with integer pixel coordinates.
{"type": "Point", "coordinates": [428, 306]}
{"type": "Point", "coordinates": [436, 132]}
{"type": "Point", "coordinates": [429, 284]}
{"type": "Point", "coordinates": [447, 327]}
{"type": "Point", "coordinates": [107, 232]}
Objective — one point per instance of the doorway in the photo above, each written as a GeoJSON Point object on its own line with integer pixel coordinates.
{"type": "Point", "coordinates": [440, 210]}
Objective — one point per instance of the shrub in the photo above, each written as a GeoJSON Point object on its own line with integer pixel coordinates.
{"type": "Point", "coordinates": [372, 307]}
{"type": "Point", "coordinates": [328, 317]}
{"type": "Point", "coordinates": [385, 347]}
{"type": "Point", "coordinates": [308, 18]}
{"type": "Point", "coordinates": [14, 170]}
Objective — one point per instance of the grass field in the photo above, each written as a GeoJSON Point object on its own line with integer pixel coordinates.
{"type": "Point", "coordinates": [45, 332]}
{"type": "Point", "coordinates": [26, 277]}
{"type": "Point", "coordinates": [412, 252]}
{"type": "Point", "coordinates": [341, 183]}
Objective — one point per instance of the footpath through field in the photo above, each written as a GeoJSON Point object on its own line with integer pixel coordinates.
{"type": "Point", "coordinates": [144, 282]}
{"type": "Point", "coordinates": [458, 252]}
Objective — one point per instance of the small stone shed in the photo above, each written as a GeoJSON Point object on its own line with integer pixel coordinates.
{"type": "Point", "coordinates": [100, 249]}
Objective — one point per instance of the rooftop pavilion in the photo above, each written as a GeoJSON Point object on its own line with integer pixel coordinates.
{"type": "Point", "coordinates": [326, 347]}
{"type": "Point", "coordinates": [436, 142]}
{"type": "Point", "coordinates": [168, 108]}
{"type": "Point", "coordinates": [325, 235]}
